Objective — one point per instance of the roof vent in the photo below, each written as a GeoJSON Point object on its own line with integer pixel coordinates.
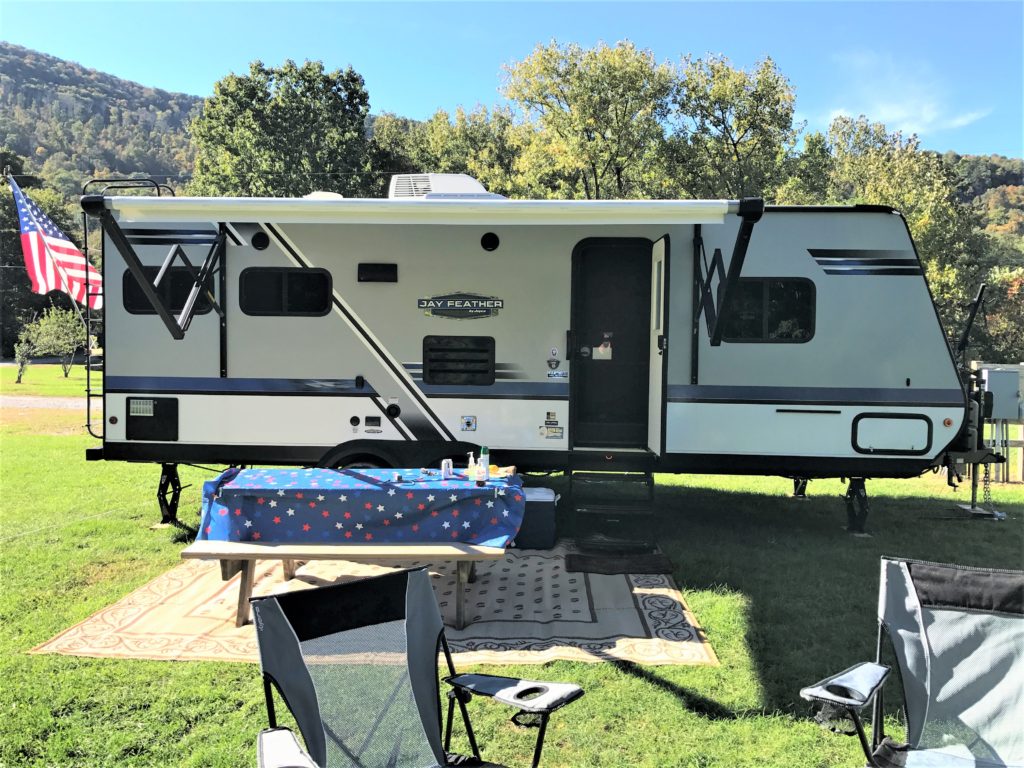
{"type": "Point", "coordinates": [438, 186]}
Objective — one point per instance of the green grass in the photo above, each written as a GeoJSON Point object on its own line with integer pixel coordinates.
{"type": "Point", "coordinates": [784, 595]}
{"type": "Point", "coordinates": [47, 379]}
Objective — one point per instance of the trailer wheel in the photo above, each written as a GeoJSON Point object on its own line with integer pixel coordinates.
{"type": "Point", "coordinates": [353, 461]}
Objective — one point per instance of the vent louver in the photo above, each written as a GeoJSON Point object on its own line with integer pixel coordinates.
{"type": "Point", "coordinates": [458, 360]}
{"type": "Point", "coordinates": [438, 186]}
{"type": "Point", "coordinates": [410, 185]}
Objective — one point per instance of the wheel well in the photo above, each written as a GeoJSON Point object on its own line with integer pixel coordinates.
{"type": "Point", "coordinates": [395, 453]}
{"type": "Point", "coordinates": [346, 458]}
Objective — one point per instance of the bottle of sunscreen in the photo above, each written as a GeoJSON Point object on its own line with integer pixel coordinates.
{"type": "Point", "coordinates": [485, 463]}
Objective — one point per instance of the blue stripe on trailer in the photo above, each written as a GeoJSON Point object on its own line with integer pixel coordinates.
{"type": "Point", "coordinates": [211, 385]}
{"type": "Point", "coordinates": [520, 390]}
{"type": "Point", "coordinates": [712, 393]}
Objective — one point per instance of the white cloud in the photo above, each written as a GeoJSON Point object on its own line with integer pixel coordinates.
{"type": "Point", "coordinates": [905, 95]}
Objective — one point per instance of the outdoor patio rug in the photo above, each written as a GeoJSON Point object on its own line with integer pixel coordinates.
{"type": "Point", "coordinates": [608, 563]}
{"type": "Point", "coordinates": [526, 608]}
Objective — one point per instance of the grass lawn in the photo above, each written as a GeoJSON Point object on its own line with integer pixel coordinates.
{"type": "Point", "coordinates": [783, 593]}
{"type": "Point", "coordinates": [47, 379]}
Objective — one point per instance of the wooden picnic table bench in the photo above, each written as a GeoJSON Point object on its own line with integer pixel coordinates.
{"type": "Point", "coordinates": [241, 557]}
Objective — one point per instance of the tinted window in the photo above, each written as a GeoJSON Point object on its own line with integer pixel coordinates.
{"type": "Point", "coordinates": [173, 291]}
{"type": "Point", "coordinates": [771, 310]}
{"type": "Point", "coordinates": [278, 291]}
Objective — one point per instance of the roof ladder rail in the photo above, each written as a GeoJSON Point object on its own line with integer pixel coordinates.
{"type": "Point", "coordinates": [94, 206]}
{"type": "Point", "coordinates": [750, 210]}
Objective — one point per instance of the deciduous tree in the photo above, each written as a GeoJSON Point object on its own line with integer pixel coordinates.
{"type": "Point", "coordinates": [734, 129]}
{"type": "Point", "coordinates": [599, 115]}
{"type": "Point", "coordinates": [60, 333]}
{"type": "Point", "coordinates": [283, 131]}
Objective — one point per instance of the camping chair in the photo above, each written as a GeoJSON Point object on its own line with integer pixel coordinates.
{"type": "Point", "coordinates": [958, 638]}
{"type": "Point", "coordinates": [356, 664]}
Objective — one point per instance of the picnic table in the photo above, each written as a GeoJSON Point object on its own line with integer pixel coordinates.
{"type": "Point", "coordinates": [363, 515]}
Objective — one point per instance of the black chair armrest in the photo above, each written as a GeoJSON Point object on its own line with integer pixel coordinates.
{"type": "Point", "coordinates": [853, 688]}
{"type": "Point", "coordinates": [527, 695]}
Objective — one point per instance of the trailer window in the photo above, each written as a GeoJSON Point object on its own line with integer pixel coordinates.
{"type": "Point", "coordinates": [458, 360]}
{"type": "Point", "coordinates": [771, 309]}
{"type": "Point", "coordinates": [173, 290]}
{"type": "Point", "coordinates": [280, 291]}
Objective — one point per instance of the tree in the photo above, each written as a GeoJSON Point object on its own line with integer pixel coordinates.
{"type": "Point", "coordinates": [808, 174]}
{"type": "Point", "coordinates": [283, 131]}
{"type": "Point", "coordinates": [486, 144]}
{"type": "Point", "coordinates": [60, 333]}
{"type": "Point", "coordinates": [24, 349]}
{"type": "Point", "coordinates": [1003, 324]}
{"type": "Point", "coordinates": [734, 129]}
{"type": "Point", "coordinates": [599, 114]}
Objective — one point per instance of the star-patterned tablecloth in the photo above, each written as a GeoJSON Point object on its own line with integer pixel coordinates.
{"type": "Point", "coordinates": [350, 506]}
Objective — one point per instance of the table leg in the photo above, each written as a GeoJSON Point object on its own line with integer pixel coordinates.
{"type": "Point", "coordinates": [245, 592]}
{"type": "Point", "coordinates": [461, 579]}
{"type": "Point", "coordinates": [229, 568]}
{"type": "Point", "coordinates": [289, 569]}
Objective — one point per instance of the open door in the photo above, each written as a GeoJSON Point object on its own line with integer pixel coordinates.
{"type": "Point", "coordinates": [658, 346]}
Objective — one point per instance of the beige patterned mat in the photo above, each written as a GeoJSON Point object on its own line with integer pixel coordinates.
{"type": "Point", "coordinates": [524, 609]}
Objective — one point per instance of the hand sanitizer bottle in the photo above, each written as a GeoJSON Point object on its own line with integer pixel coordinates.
{"type": "Point", "coordinates": [471, 467]}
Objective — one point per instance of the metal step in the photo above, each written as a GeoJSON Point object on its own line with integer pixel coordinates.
{"type": "Point", "coordinates": [613, 511]}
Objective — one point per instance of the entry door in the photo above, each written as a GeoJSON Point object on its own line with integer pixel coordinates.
{"type": "Point", "coordinates": [658, 344]}
{"type": "Point", "coordinates": [610, 374]}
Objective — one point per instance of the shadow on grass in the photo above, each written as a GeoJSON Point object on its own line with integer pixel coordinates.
{"type": "Point", "coordinates": [811, 589]}
{"type": "Point", "coordinates": [184, 533]}
{"type": "Point", "coordinates": [693, 701]}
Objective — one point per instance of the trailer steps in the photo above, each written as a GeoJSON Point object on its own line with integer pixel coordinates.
{"type": "Point", "coordinates": [613, 511]}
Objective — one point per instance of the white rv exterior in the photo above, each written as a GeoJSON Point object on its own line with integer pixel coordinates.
{"type": "Point", "coordinates": [561, 334]}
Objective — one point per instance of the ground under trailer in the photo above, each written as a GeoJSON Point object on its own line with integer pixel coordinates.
{"type": "Point", "coordinates": [654, 336]}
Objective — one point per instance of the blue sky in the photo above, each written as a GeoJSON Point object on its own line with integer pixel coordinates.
{"type": "Point", "coordinates": [949, 71]}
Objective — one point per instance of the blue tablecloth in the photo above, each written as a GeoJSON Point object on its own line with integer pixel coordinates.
{"type": "Point", "coordinates": [349, 506]}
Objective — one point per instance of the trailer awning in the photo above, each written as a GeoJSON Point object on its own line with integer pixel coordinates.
{"type": "Point", "coordinates": [421, 211]}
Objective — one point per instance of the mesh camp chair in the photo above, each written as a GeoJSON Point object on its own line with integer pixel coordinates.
{"type": "Point", "coordinates": [958, 637]}
{"type": "Point", "coordinates": [356, 664]}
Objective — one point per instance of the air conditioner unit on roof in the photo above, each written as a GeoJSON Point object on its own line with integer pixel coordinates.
{"type": "Point", "coordinates": [437, 186]}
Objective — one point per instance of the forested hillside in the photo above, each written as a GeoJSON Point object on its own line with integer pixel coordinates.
{"type": "Point", "coordinates": [604, 122]}
{"type": "Point", "coordinates": [73, 123]}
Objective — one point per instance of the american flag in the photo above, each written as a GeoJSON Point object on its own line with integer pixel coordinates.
{"type": "Point", "coordinates": [52, 260]}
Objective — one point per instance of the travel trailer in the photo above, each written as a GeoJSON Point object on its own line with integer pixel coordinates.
{"type": "Point", "coordinates": [663, 335]}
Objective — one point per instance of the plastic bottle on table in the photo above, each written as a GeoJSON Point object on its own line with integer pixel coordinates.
{"type": "Point", "coordinates": [485, 463]}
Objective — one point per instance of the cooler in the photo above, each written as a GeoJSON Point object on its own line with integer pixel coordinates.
{"type": "Point", "coordinates": [538, 528]}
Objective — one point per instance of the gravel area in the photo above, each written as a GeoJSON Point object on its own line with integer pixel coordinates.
{"type": "Point", "coordinates": [31, 401]}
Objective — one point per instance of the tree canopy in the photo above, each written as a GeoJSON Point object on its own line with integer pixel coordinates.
{"type": "Point", "coordinates": [735, 129]}
{"type": "Point", "coordinates": [282, 131]}
{"type": "Point", "coordinates": [598, 113]}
